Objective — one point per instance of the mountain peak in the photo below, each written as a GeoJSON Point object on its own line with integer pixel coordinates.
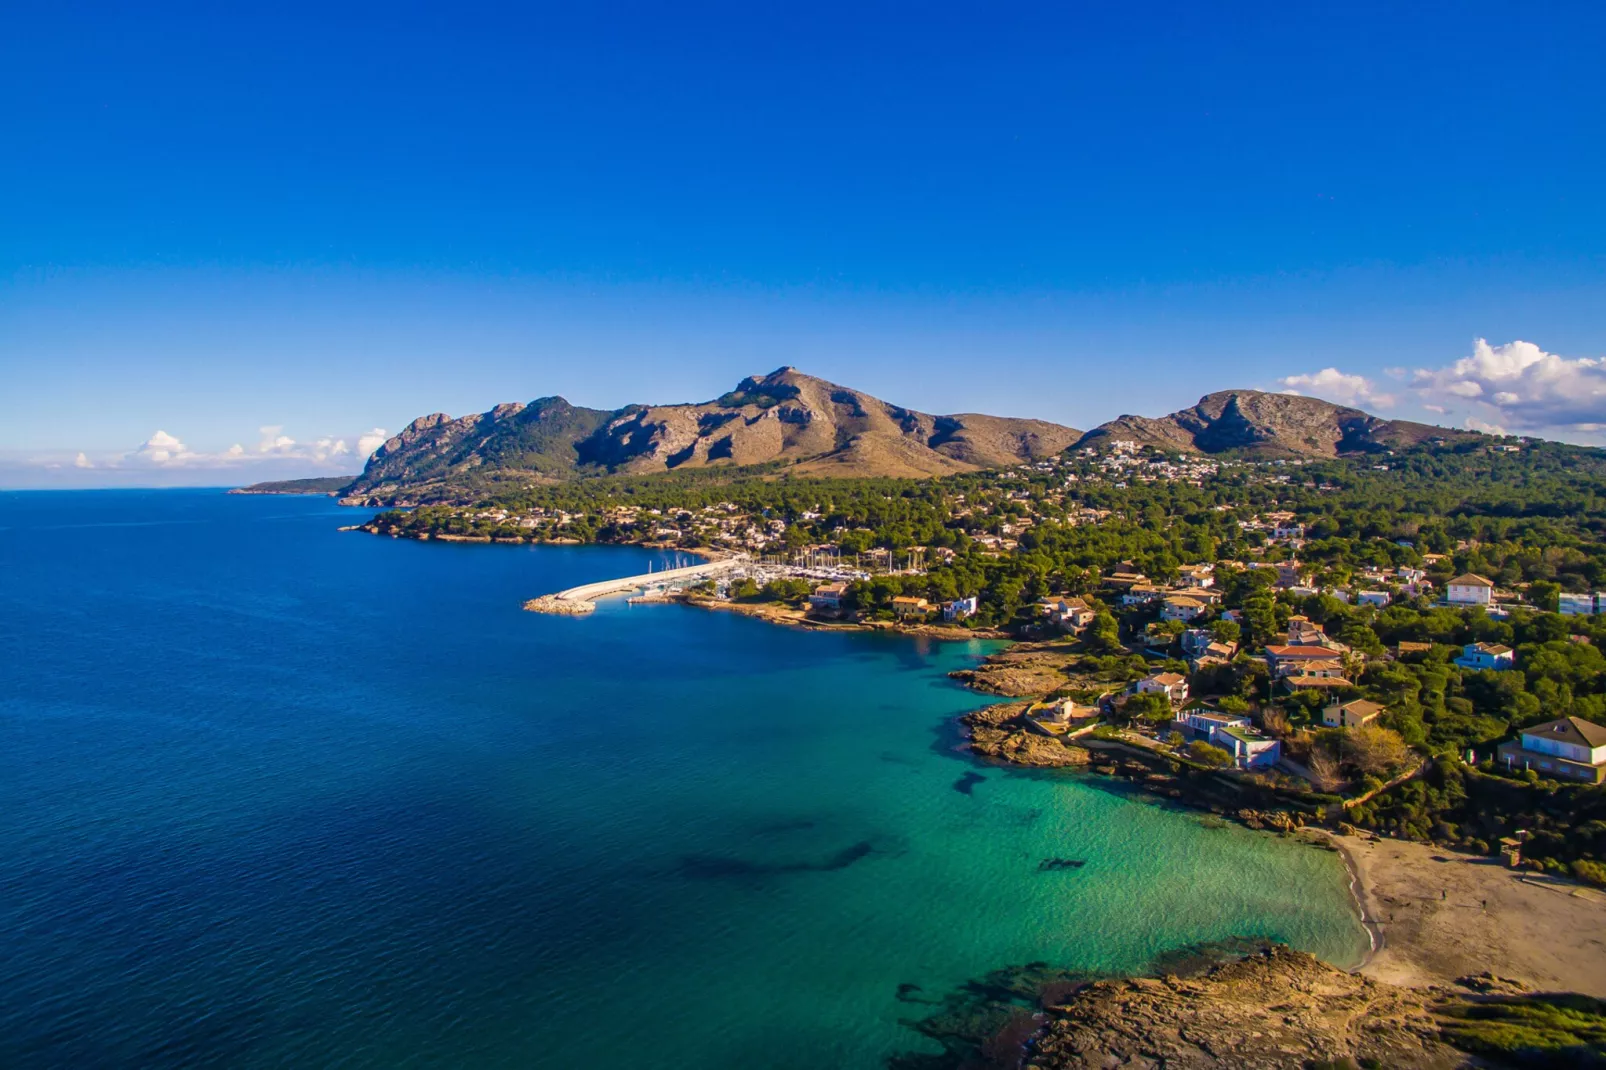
{"type": "Point", "coordinates": [1260, 422]}
{"type": "Point", "coordinates": [784, 417]}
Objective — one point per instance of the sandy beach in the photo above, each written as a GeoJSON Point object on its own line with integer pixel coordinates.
{"type": "Point", "coordinates": [1443, 915]}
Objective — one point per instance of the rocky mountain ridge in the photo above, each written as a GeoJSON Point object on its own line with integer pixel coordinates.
{"type": "Point", "coordinates": [1257, 423]}
{"type": "Point", "coordinates": [811, 426]}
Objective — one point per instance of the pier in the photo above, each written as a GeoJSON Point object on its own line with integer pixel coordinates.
{"type": "Point", "coordinates": [582, 599]}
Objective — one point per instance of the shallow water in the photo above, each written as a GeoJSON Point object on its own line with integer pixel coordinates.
{"type": "Point", "coordinates": [272, 794]}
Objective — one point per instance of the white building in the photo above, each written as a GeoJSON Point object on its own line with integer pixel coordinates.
{"type": "Point", "coordinates": [1469, 589]}
{"type": "Point", "coordinates": [1172, 685]}
{"type": "Point", "coordinates": [959, 608]}
{"type": "Point", "coordinates": [1249, 749]}
{"type": "Point", "coordinates": [1570, 747]}
{"type": "Point", "coordinates": [1372, 598]}
{"type": "Point", "coordinates": [1577, 605]}
{"type": "Point", "coordinates": [1181, 607]}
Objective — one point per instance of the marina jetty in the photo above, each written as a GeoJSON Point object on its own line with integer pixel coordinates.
{"type": "Point", "coordinates": [577, 601]}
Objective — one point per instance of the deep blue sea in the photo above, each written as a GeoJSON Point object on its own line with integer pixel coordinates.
{"type": "Point", "coordinates": [276, 795]}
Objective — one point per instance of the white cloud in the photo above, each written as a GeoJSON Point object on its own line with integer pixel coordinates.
{"type": "Point", "coordinates": [273, 441]}
{"type": "Point", "coordinates": [165, 459]}
{"type": "Point", "coordinates": [328, 454]}
{"type": "Point", "coordinates": [160, 449]}
{"type": "Point", "coordinates": [1519, 386]}
{"type": "Point", "coordinates": [1334, 385]}
{"type": "Point", "coordinates": [369, 441]}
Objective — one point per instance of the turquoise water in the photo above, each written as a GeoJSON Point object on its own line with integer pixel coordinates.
{"type": "Point", "coordinates": [275, 795]}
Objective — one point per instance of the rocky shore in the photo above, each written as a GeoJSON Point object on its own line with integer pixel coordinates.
{"type": "Point", "coordinates": [1250, 1005]}
{"type": "Point", "coordinates": [1276, 1009]}
{"type": "Point", "coordinates": [999, 733]}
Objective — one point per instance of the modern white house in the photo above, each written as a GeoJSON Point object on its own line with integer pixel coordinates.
{"type": "Point", "coordinates": [1249, 749]}
{"type": "Point", "coordinates": [1203, 721]}
{"type": "Point", "coordinates": [959, 608]}
{"type": "Point", "coordinates": [1577, 605]}
{"type": "Point", "coordinates": [1469, 589]}
{"type": "Point", "coordinates": [1570, 747]}
{"type": "Point", "coordinates": [1487, 656]}
{"type": "Point", "coordinates": [1372, 598]}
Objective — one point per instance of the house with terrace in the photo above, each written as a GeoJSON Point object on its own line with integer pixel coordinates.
{"type": "Point", "coordinates": [1172, 685]}
{"type": "Point", "coordinates": [1569, 748]}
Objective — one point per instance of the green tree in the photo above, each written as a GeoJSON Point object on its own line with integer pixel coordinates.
{"type": "Point", "coordinates": [1208, 753]}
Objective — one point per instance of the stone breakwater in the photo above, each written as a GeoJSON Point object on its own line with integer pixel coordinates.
{"type": "Point", "coordinates": [559, 606]}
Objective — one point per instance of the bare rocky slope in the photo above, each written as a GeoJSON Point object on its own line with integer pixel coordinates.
{"type": "Point", "coordinates": [1272, 425]}
{"type": "Point", "coordinates": [809, 425]}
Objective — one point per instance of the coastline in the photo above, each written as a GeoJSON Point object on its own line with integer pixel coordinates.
{"type": "Point", "coordinates": [1544, 933]}
{"type": "Point", "coordinates": [1432, 916]}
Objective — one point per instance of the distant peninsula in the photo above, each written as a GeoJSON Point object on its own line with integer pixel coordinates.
{"type": "Point", "coordinates": [325, 485]}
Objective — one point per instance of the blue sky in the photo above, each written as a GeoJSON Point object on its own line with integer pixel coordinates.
{"type": "Point", "coordinates": [293, 229]}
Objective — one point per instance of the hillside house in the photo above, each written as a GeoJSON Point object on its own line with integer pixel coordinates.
{"type": "Point", "coordinates": [1303, 632]}
{"type": "Point", "coordinates": [1292, 660]}
{"type": "Point", "coordinates": [959, 609]}
{"type": "Point", "coordinates": [1577, 605]}
{"type": "Point", "coordinates": [1214, 654]}
{"type": "Point", "coordinates": [828, 598]}
{"type": "Point", "coordinates": [1068, 614]}
{"type": "Point", "coordinates": [1570, 748]}
{"type": "Point", "coordinates": [1292, 574]}
{"type": "Point", "coordinates": [905, 608]}
{"type": "Point", "coordinates": [1304, 682]}
{"type": "Point", "coordinates": [1143, 594]}
{"type": "Point", "coordinates": [1197, 575]}
{"type": "Point", "coordinates": [1351, 714]}
{"type": "Point", "coordinates": [1181, 607]}
{"type": "Point", "coordinates": [1373, 598]}
{"type": "Point", "coordinates": [1172, 685]}
{"type": "Point", "coordinates": [1469, 589]}
{"type": "Point", "coordinates": [1487, 656]}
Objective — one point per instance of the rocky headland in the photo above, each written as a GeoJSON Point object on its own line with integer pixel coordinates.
{"type": "Point", "coordinates": [1276, 1009]}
